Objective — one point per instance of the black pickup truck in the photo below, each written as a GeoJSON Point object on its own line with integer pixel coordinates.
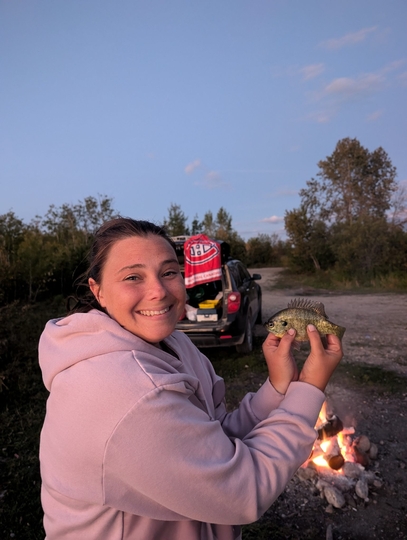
{"type": "Point", "coordinates": [222, 313]}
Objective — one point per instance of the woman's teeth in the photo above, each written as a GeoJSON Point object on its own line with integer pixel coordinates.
{"type": "Point", "coordinates": [152, 313]}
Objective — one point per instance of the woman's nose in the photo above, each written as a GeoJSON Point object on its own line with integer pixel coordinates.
{"type": "Point", "coordinates": [156, 288]}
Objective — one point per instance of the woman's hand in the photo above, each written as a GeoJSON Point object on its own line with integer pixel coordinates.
{"type": "Point", "coordinates": [280, 360]}
{"type": "Point", "coordinates": [321, 362]}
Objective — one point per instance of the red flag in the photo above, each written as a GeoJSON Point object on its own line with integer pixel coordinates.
{"type": "Point", "coordinates": [202, 260]}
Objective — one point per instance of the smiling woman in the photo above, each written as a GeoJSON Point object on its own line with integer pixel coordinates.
{"type": "Point", "coordinates": [142, 287]}
{"type": "Point", "coordinates": [136, 413]}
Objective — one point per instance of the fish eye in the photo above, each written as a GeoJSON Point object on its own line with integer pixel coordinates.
{"type": "Point", "coordinates": [283, 323]}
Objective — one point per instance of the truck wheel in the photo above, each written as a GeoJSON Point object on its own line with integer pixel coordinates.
{"type": "Point", "coordinates": [247, 346]}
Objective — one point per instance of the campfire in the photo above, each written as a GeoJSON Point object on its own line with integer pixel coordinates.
{"type": "Point", "coordinates": [342, 465]}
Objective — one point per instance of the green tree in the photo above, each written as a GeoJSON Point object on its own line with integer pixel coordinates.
{"type": "Point", "coordinates": [72, 222]}
{"type": "Point", "coordinates": [310, 241]}
{"type": "Point", "coordinates": [209, 225]}
{"type": "Point", "coordinates": [260, 250]}
{"type": "Point", "coordinates": [343, 216]}
{"type": "Point", "coordinates": [353, 182]}
{"type": "Point", "coordinates": [196, 226]}
{"type": "Point", "coordinates": [220, 228]}
{"type": "Point", "coordinates": [37, 262]}
{"type": "Point", "coordinates": [12, 231]}
{"type": "Point", "coordinates": [69, 230]}
{"type": "Point", "coordinates": [176, 223]}
{"type": "Point", "coordinates": [46, 255]}
{"type": "Point", "coordinates": [223, 224]}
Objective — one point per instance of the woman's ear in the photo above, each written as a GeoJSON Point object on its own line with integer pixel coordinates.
{"type": "Point", "coordinates": [95, 288]}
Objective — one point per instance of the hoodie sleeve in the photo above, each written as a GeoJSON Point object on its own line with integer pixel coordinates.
{"type": "Point", "coordinates": [254, 407]}
{"type": "Point", "coordinates": [168, 460]}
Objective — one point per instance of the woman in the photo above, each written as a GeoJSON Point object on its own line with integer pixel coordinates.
{"type": "Point", "coordinates": [136, 442]}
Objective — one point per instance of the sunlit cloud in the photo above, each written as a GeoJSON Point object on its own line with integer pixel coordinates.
{"type": "Point", "coordinates": [392, 66]}
{"type": "Point", "coordinates": [311, 71]}
{"type": "Point", "coordinates": [372, 117]}
{"type": "Point", "coordinates": [273, 219]}
{"type": "Point", "coordinates": [348, 39]}
{"type": "Point", "coordinates": [402, 77]}
{"type": "Point", "coordinates": [193, 166]}
{"type": "Point", "coordinates": [348, 88]}
{"type": "Point", "coordinates": [213, 180]}
{"type": "Point", "coordinates": [337, 92]}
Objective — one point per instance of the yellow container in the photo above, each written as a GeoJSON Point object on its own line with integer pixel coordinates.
{"type": "Point", "coordinates": [209, 304]}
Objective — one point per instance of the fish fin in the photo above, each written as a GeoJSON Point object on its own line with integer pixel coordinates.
{"type": "Point", "coordinates": [304, 303]}
{"type": "Point", "coordinates": [342, 330]}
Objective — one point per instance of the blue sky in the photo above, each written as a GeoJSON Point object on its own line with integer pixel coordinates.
{"type": "Point", "coordinates": [206, 104]}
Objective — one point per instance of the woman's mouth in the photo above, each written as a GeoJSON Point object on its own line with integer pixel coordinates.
{"type": "Point", "coordinates": [152, 313]}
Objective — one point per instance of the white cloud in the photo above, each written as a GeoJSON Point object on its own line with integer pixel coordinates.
{"type": "Point", "coordinates": [349, 39]}
{"type": "Point", "coordinates": [336, 93]}
{"type": "Point", "coordinates": [348, 88]}
{"type": "Point", "coordinates": [213, 180]}
{"type": "Point", "coordinates": [403, 78]}
{"type": "Point", "coordinates": [372, 117]}
{"type": "Point", "coordinates": [191, 167]}
{"type": "Point", "coordinates": [311, 71]}
{"type": "Point", "coordinates": [273, 219]}
{"type": "Point", "coordinates": [393, 66]}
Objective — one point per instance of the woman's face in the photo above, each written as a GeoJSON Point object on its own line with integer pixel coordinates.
{"type": "Point", "coordinates": [142, 287]}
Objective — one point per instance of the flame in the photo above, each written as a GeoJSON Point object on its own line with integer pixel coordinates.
{"type": "Point", "coordinates": [320, 461]}
{"type": "Point", "coordinates": [322, 415]}
{"type": "Point", "coordinates": [325, 445]}
{"type": "Point", "coordinates": [339, 444]}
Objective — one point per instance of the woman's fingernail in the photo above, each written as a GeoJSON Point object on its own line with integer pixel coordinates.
{"type": "Point", "coordinates": [311, 328]}
{"type": "Point", "coordinates": [291, 331]}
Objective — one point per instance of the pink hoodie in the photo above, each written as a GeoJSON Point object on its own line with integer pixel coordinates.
{"type": "Point", "coordinates": [137, 444]}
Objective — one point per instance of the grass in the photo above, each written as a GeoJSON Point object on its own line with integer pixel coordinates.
{"type": "Point", "coordinates": [244, 374]}
{"type": "Point", "coordinates": [23, 398]}
{"type": "Point", "coordinates": [22, 408]}
{"type": "Point", "coordinates": [382, 380]}
{"type": "Point", "coordinates": [334, 282]}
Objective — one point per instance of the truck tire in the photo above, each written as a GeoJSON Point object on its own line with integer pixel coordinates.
{"type": "Point", "coordinates": [246, 346]}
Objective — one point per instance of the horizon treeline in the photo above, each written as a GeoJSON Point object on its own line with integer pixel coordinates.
{"type": "Point", "coordinates": [351, 224]}
{"type": "Point", "coordinates": [47, 256]}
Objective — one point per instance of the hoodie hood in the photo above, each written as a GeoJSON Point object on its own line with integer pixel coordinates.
{"type": "Point", "coordinates": [69, 340]}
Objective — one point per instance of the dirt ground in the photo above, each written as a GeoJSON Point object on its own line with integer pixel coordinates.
{"type": "Point", "coordinates": [376, 336]}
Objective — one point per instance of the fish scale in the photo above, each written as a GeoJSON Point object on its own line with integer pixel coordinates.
{"type": "Point", "coordinates": [298, 315]}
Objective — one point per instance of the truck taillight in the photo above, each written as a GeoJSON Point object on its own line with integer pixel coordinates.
{"type": "Point", "coordinates": [234, 302]}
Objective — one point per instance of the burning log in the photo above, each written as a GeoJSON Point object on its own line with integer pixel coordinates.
{"type": "Point", "coordinates": [331, 428]}
{"type": "Point", "coordinates": [335, 462]}
{"type": "Point", "coordinates": [338, 462]}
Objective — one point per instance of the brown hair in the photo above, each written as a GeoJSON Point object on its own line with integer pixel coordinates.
{"type": "Point", "coordinates": [107, 235]}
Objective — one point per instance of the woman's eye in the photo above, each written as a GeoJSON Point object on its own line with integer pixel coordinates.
{"type": "Point", "coordinates": [170, 273]}
{"type": "Point", "coordinates": [132, 278]}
